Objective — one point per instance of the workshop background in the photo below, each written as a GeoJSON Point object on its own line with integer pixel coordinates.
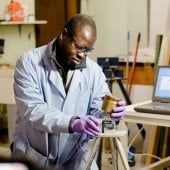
{"type": "Point", "coordinates": [118, 24]}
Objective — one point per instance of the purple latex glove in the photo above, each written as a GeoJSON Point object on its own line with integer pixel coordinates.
{"type": "Point", "coordinates": [119, 111]}
{"type": "Point", "coordinates": [88, 125]}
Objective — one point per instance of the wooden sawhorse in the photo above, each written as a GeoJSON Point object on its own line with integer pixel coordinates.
{"type": "Point", "coordinates": [116, 145]}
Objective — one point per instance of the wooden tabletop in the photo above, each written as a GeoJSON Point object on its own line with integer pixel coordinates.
{"type": "Point", "coordinates": [146, 118]}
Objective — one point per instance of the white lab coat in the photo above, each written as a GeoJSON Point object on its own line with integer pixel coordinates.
{"type": "Point", "coordinates": [44, 108]}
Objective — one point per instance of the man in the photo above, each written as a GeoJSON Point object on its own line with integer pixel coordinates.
{"type": "Point", "coordinates": [59, 92]}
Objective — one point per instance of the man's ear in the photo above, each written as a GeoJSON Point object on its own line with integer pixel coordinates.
{"type": "Point", "coordinates": [63, 33]}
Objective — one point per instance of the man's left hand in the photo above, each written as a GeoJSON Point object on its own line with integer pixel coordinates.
{"type": "Point", "coordinates": [118, 112]}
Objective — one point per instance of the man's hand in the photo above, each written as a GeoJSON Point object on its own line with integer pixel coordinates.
{"type": "Point", "coordinates": [119, 111]}
{"type": "Point", "coordinates": [89, 125]}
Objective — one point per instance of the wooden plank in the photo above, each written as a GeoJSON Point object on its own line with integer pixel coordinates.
{"type": "Point", "coordinates": [113, 133]}
{"type": "Point", "coordinates": [151, 144]}
{"type": "Point", "coordinates": [164, 58]}
{"type": "Point", "coordinates": [106, 142]}
{"type": "Point", "coordinates": [144, 74]}
{"type": "Point", "coordinates": [56, 12]}
{"type": "Point", "coordinates": [165, 146]}
{"type": "Point", "coordinates": [72, 8]}
{"type": "Point", "coordinates": [23, 22]}
{"type": "Point", "coordinates": [159, 165]}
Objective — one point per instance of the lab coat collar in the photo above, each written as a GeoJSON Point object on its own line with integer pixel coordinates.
{"type": "Point", "coordinates": [54, 75]}
{"type": "Point", "coordinates": [51, 69]}
{"type": "Point", "coordinates": [48, 53]}
{"type": "Point", "coordinates": [57, 81]}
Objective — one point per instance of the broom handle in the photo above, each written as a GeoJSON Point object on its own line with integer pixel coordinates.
{"type": "Point", "coordinates": [133, 65]}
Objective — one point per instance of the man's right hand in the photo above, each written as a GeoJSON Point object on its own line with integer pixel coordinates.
{"type": "Point", "coordinates": [89, 125]}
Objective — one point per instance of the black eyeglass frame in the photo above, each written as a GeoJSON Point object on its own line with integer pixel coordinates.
{"type": "Point", "coordinates": [78, 49]}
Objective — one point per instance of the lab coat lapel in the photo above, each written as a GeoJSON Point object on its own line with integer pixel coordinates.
{"type": "Point", "coordinates": [69, 104]}
{"type": "Point", "coordinates": [74, 83]}
{"type": "Point", "coordinates": [54, 75]}
{"type": "Point", "coordinates": [57, 81]}
{"type": "Point", "coordinates": [72, 93]}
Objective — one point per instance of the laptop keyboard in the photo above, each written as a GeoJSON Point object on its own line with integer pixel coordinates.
{"type": "Point", "coordinates": [161, 106]}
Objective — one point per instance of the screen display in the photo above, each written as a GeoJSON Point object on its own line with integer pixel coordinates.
{"type": "Point", "coordinates": [162, 89]}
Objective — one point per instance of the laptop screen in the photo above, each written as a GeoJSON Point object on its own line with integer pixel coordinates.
{"type": "Point", "coordinates": [162, 84]}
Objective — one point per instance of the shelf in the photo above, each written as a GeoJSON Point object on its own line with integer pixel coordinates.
{"type": "Point", "coordinates": [23, 22]}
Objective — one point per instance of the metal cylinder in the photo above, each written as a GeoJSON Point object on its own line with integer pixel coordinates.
{"type": "Point", "coordinates": [109, 103]}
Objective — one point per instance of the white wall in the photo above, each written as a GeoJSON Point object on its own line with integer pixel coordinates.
{"type": "Point", "coordinates": [18, 39]}
{"type": "Point", "coordinates": [158, 19]}
{"type": "Point", "coordinates": [137, 19]}
{"type": "Point", "coordinates": [114, 19]}
{"type": "Point", "coordinates": [111, 25]}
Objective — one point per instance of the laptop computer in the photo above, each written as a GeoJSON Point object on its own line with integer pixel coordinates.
{"type": "Point", "coordinates": [161, 94]}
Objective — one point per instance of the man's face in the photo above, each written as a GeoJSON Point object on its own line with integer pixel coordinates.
{"type": "Point", "coordinates": [76, 48]}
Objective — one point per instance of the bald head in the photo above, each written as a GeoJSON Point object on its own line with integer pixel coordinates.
{"type": "Point", "coordinates": [80, 21]}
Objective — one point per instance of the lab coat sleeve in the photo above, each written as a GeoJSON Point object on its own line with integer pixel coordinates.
{"type": "Point", "coordinates": [32, 109]}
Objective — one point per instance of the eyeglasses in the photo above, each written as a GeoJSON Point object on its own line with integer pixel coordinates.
{"type": "Point", "coordinates": [78, 49]}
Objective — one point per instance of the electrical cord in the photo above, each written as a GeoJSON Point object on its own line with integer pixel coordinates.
{"type": "Point", "coordinates": [134, 138]}
{"type": "Point", "coordinates": [143, 154]}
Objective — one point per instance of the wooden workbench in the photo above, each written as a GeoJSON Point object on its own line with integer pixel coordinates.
{"type": "Point", "coordinates": [152, 138]}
